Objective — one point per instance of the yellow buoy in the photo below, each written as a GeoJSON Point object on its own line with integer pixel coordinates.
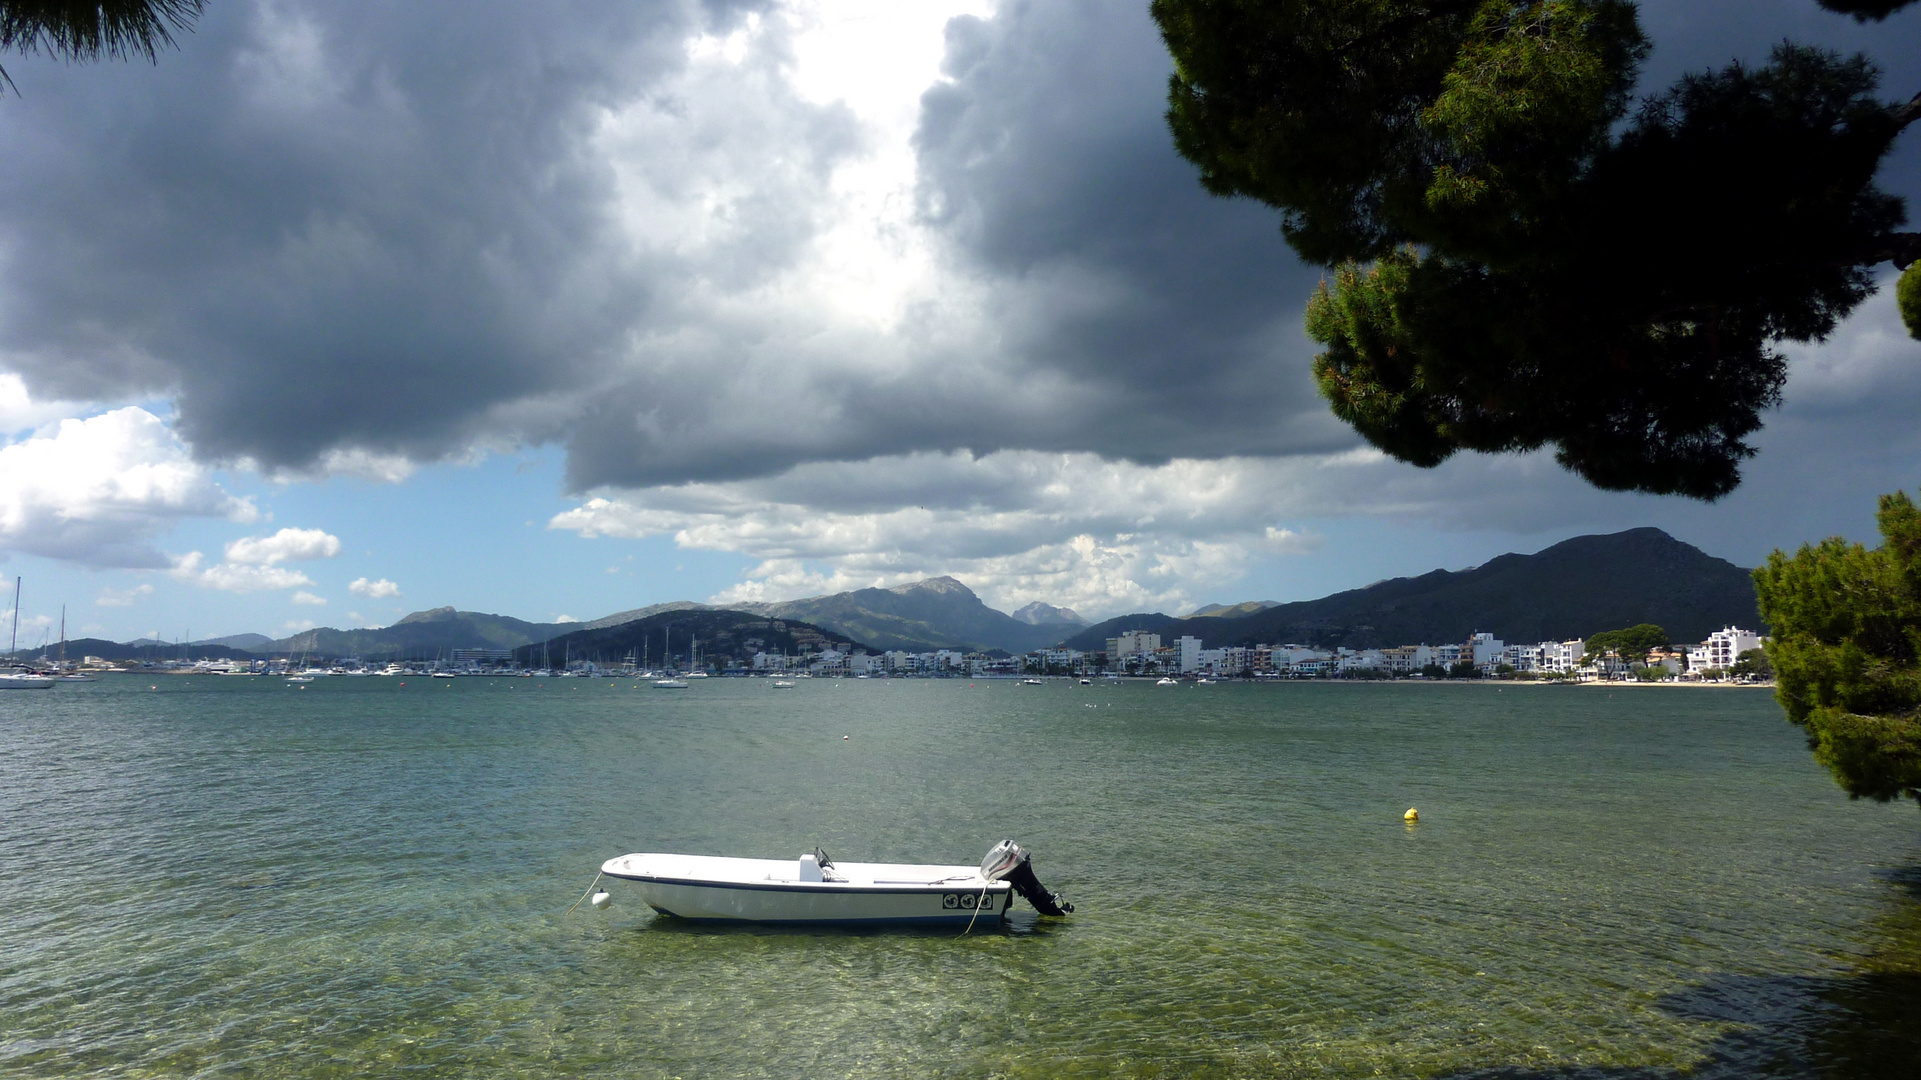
{"type": "Point", "coordinates": [1412, 815]}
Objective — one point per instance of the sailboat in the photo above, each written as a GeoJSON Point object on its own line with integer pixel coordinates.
{"type": "Point", "coordinates": [18, 678]}
{"type": "Point", "coordinates": [65, 675]}
{"type": "Point", "coordinates": [669, 681]}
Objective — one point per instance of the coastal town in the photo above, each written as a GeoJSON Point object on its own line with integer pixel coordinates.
{"type": "Point", "coordinates": [1134, 653]}
{"type": "Point", "coordinates": [1143, 654]}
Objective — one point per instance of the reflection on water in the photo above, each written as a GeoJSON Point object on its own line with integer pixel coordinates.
{"type": "Point", "coordinates": [220, 877]}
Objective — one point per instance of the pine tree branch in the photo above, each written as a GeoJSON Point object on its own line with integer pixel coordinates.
{"type": "Point", "coordinates": [1899, 248]}
{"type": "Point", "coordinates": [1906, 114]}
{"type": "Point", "coordinates": [1440, 9]}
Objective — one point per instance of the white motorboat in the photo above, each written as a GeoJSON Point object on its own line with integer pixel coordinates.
{"type": "Point", "coordinates": [1032, 682]}
{"type": "Point", "coordinates": [814, 889]}
{"type": "Point", "coordinates": [783, 684]}
{"type": "Point", "coordinates": [670, 684]}
{"type": "Point", "coordinates": [1165, 681]}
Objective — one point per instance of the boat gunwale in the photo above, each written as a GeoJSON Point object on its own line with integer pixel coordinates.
{"type": "Point", "coordinates": [894, 888]}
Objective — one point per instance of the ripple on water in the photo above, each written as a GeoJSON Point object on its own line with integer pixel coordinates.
{"type": "Point", "coordinates": [222, 878]}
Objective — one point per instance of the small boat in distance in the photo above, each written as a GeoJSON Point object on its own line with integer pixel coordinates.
{"type": "Point", "coordinates": [1032, 682]}
{"type": "Point", "coordinates": [783, 684]}
{"type": "Point", "coordinates": [22, 679]}
{"type": "Point", "coordinates": [670, 683]}
{"type": "Point", "coordinates": [1168, 681]}
{"type": "Point", "coordinates": [816, 890]}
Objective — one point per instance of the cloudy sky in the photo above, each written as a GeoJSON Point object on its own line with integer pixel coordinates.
{"type": "Point", "coordinates": [343, 311]}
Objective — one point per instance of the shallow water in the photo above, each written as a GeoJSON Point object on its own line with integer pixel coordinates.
{"type": "Point", "coordinates": [206, 876]}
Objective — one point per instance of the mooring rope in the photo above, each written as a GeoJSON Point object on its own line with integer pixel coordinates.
{"type": "Point", "coordinates": [977, 909]}
{"type": "Point", "coordinates": [585, 895]}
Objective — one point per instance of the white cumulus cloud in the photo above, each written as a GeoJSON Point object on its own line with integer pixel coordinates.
{"type": "Point", "coordinates": [1073, 529]}
{"type": "Point", "coordinates": [122, 597]}
{"type": "Point", "coordinates": [373, 589]}
{"type": "Point", "coordinates": [287, 545]}
{"type": "Point", "coordinates": [253, 563]}
{"type": "Point", "coordinates": [236, 577]}
{"type": "Point", "coordinates": [97, 491]}
{"type": "Point", "coordinates": [305, 597]}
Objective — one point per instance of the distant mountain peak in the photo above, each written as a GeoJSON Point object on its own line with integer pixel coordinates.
{"type": "Point", "coordinates": [1037, 613]}
{"type": "Point", "coordinates": [439, 614]}
{"type": "Point", "coordinates": [942, 585]}
{"type": "Point", "coordinates": [1246, 607]}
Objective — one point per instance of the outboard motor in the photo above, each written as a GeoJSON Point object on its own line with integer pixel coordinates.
{"type": "Point", "coordinates": [1006, 861]}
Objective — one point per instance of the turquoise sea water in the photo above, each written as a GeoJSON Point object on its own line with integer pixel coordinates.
{"type": "Point", "coordinates": [207, 876]}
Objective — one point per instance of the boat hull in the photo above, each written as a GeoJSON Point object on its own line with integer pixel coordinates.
{"type": "Point", "coordinates": [713, 889]}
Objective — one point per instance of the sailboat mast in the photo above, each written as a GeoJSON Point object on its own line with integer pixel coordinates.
{"type": "Point", "coordinates": [14, 645]}
{"type": "Point", "coordinates": [63, 635]}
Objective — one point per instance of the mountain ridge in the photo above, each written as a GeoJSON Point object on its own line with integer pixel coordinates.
{"type": "Point", "coordinates": [1576, 588]}
{"type": "Point", "coordinates": [918, 616]}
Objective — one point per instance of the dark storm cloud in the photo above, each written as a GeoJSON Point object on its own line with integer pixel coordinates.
{"type": "Point", "coordinates": [330, 225]}
{"type": "Point", "coordinates": [1047, 160]}
{"type": "Point", "coordinates": [1120, 309]}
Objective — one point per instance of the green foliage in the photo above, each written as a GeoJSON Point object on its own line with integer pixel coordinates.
{"type": "Point", "coordinates": [1907, 297]}
{"type": "Point", "coordinates": [1846, 651]}
{"type": "Point", "coordinates": [1652, 673]}
{"type": "Point", "coordinates": [91, 29]}
{"type": "Point", "coordinates": [1464, 669]}
{"type": "Point", "coordinates": [1518, 261]}
{"type": "Point", "coordinates": [1865, 10]}
{"type": "Point", "coordinates": [1752, 664]}
{"type": "Point", "coordinates": [1632, 644]}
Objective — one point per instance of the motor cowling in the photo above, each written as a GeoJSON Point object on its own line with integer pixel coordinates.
{"type": "Point", "coordinates": [1007, 861]}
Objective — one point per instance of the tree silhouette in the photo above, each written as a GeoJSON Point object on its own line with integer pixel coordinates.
{"type": "Point", "coordinates": [73, 31]}
{"type": "Point", "coordinates": [1525, 255]}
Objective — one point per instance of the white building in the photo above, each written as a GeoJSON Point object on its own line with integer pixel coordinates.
{"type": "Point", "coordinates": [1564, 656]}
{"type": "Point", "coordinates": [1364, 660]}
{"type": "Point", "coordinates": [1722, 649]}
{"type": "Point", "coordinates": [1059, 659]}
{"type": "Point", "coordinates": [1484, 649]}
{"type": "Point", "coordinates": [1190, 649]}
{"type": "Point", "coordinates": [1526, 658]}
{"type": "Point", "coordinates": [1132, 642]}
{"type": "Point", "coordinates": [1407, 659]}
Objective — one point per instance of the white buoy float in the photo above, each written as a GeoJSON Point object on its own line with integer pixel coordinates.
{"type": "Point", "coordinates": [600, 900]}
